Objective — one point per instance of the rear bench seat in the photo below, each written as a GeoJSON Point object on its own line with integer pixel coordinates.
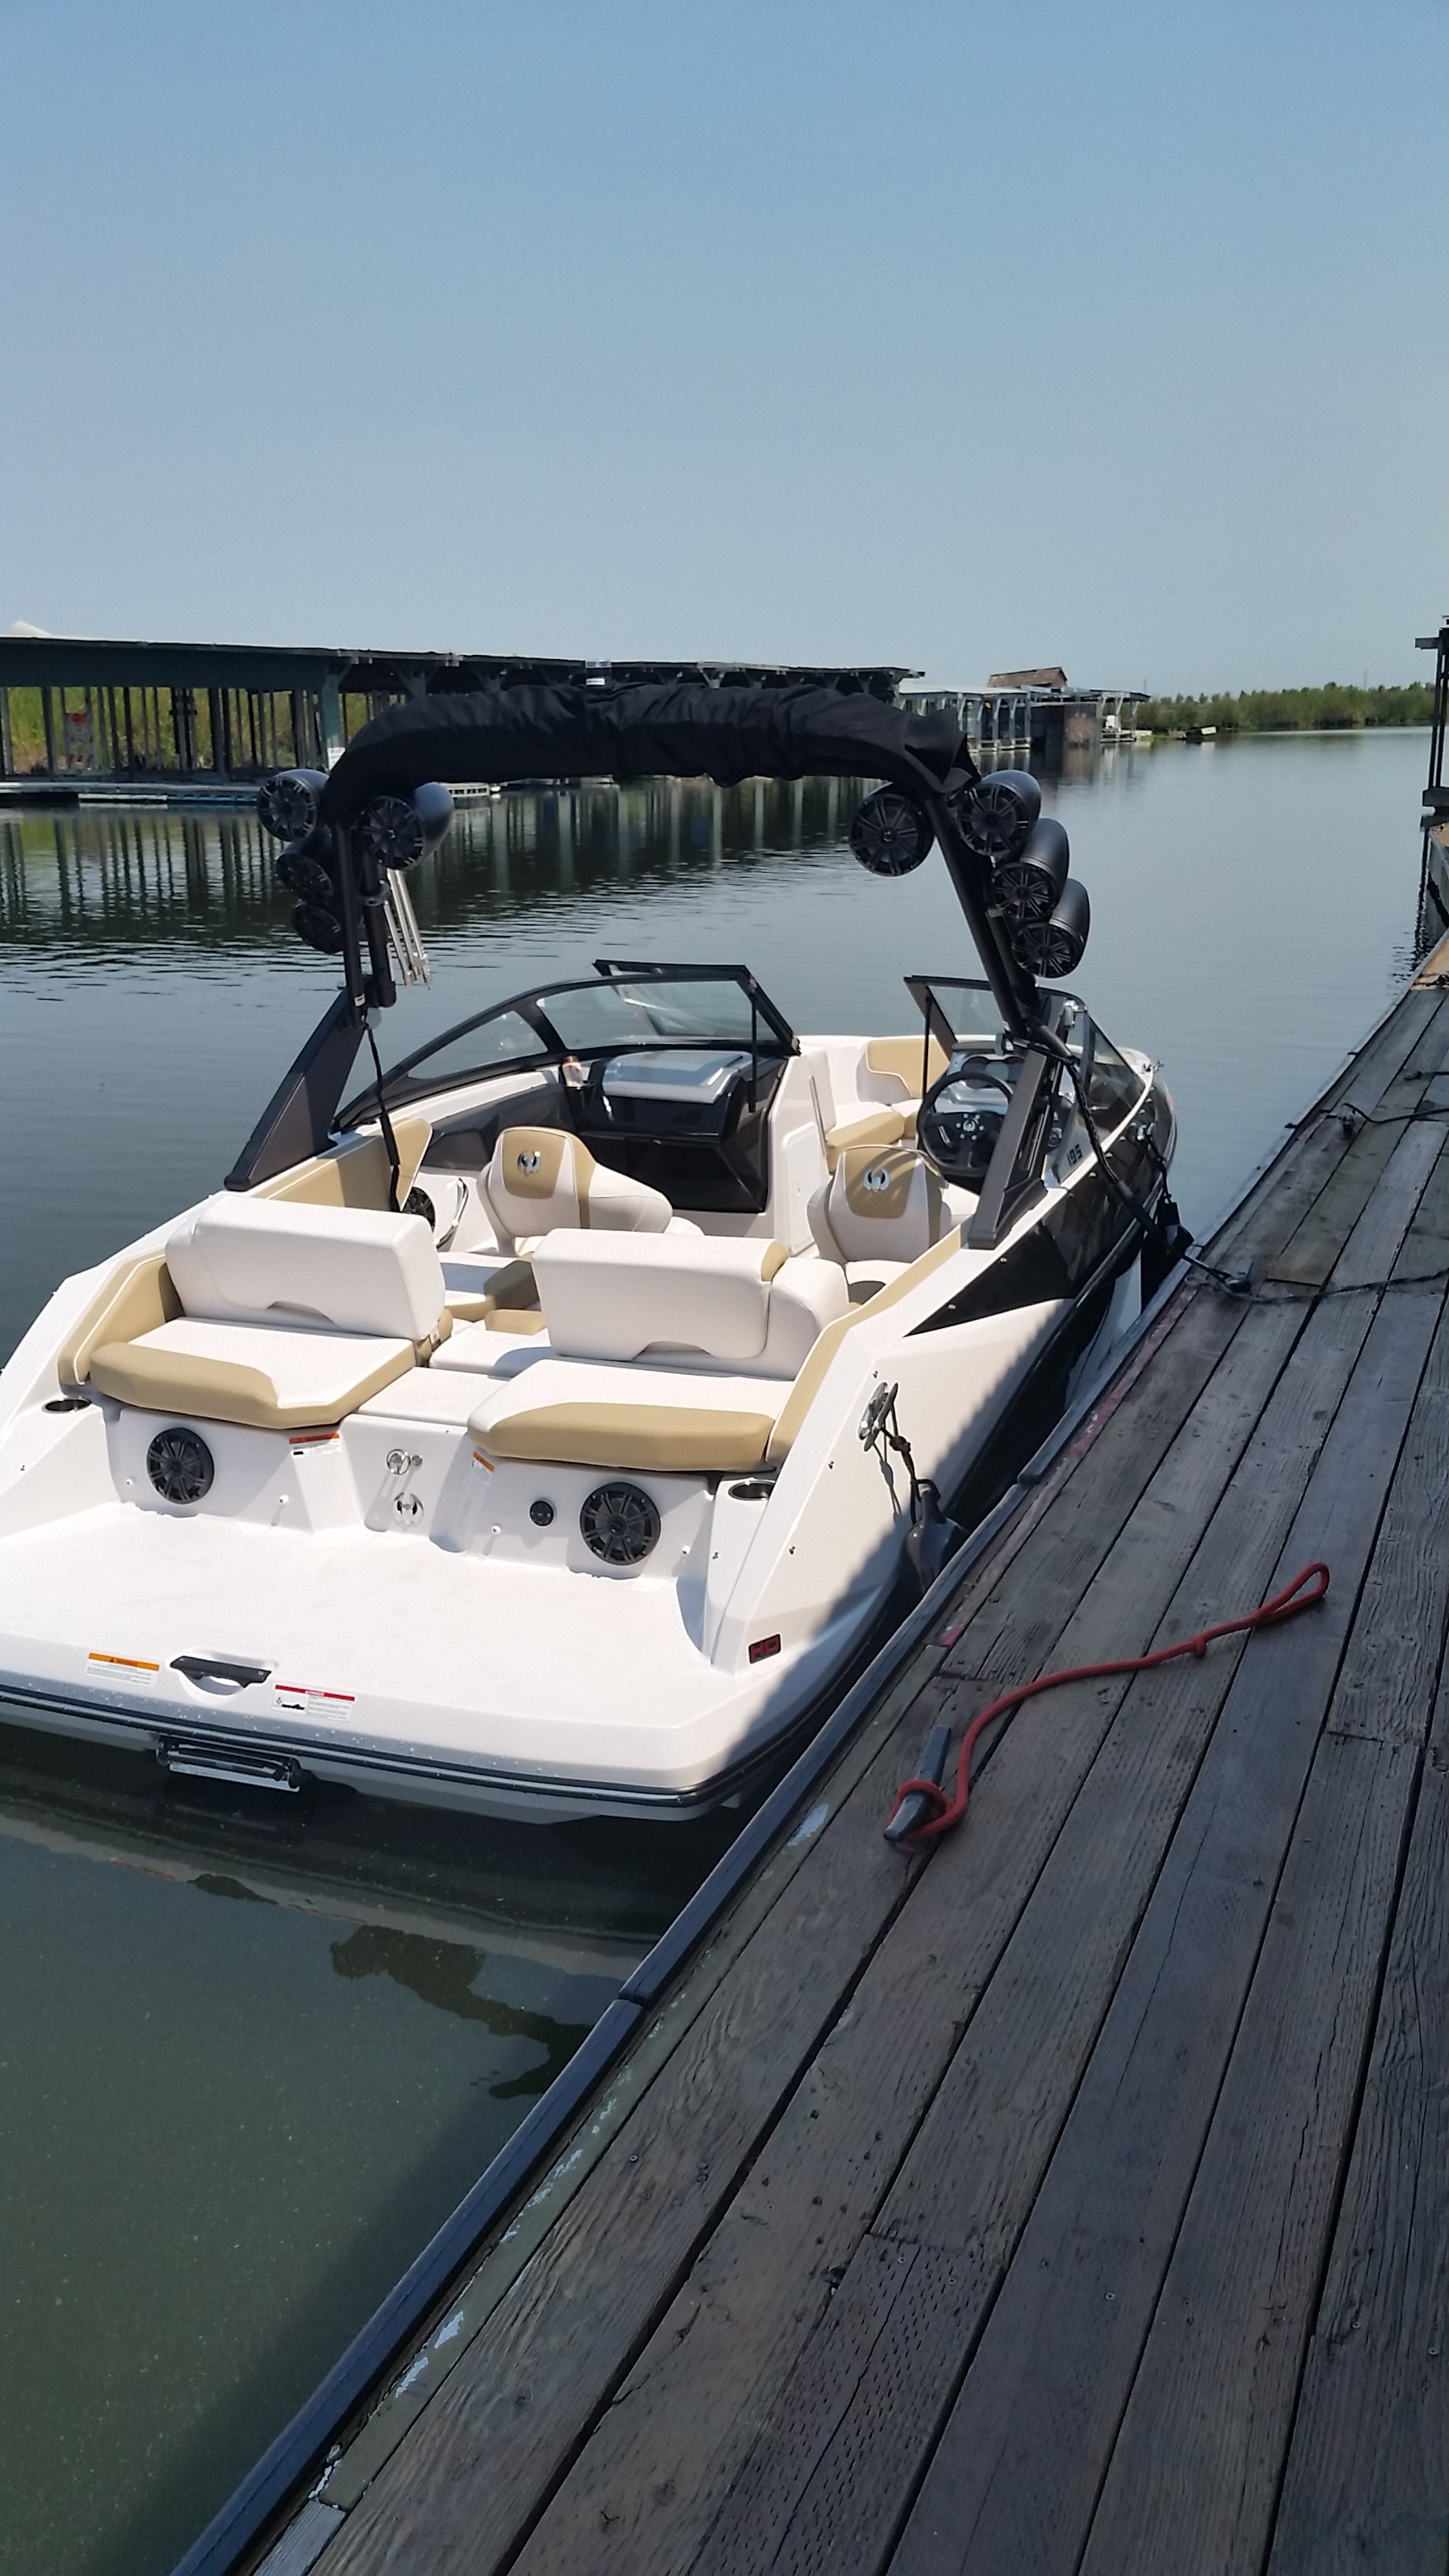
{"type": "Point", "coordinates": [722, 1326]}
{"type": "Point", "coordinates": [266, 1312]}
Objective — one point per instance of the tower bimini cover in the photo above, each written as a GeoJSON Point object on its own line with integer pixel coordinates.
{"type": "Point", "coordinates": [680, 729]}
{"type": "Point", "coordinates": [686, 729]}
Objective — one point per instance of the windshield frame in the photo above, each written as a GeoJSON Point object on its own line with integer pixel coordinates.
{"type": "Point", "coordinates": [771, 1036]}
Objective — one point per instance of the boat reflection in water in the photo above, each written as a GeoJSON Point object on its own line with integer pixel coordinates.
{"type": "Point", "coordinates": [255, 2052]}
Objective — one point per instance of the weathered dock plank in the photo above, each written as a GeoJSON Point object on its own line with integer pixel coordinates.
{"type": "Point", "coordinates": [1194, 2477]}
{"type": "Point", "coordinates": [972, 2213]}
{"type": "Point", "coordinates": [1018, 2469]}
{"type": "Point", "coordinates": [679, 2425]}
{"type": "Point", "coordinates": [1367, 2481]}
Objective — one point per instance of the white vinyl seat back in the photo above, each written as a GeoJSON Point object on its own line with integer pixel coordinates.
{"type": "Point", "coordinates": [542, 1179]}
{"type": "Point", "coordinates": [244, 1260]}
{"type": "Point", "coordinates": [735, 1302]}
{"type": "Point", "coordinates": [880, 1203]}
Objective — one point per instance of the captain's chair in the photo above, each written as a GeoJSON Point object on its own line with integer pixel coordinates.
{"type": "Point", "coordinates": [882, 1204]}
{"type": "Point", "coordinates": [544, 1178]}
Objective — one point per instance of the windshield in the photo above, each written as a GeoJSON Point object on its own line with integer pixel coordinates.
{"type": "Point", "coordinates": [624, 1012]}
{"type": "Point", "coordinates": [672, 1006]}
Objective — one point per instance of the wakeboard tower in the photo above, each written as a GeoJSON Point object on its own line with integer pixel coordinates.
{"type": "Point", "coordinates": [545, 1428]}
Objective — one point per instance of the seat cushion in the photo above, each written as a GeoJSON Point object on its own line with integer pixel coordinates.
{"type": "Point", "coordinates": [257, 1374]}
{"type": "Point", "coordinates": [670, 1439]}
{"type": "Point", "coordinates": [358, 1270]}
{"type": "Point", "coordinates": [543, 1179]}
{"type": "Point", "coordinates": [866, 1127]}
{"type": "Point", "coordinates": [611, 1297]}
{"type": "Point", "coordinates": [677, 1420]}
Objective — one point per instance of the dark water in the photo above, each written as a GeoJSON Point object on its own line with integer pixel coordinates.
{"type": "Point", "coordinates": [247, 2063]}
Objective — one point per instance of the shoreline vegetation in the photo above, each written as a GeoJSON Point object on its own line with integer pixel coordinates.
{"type": "Point", "coordinates": [1335, 708]}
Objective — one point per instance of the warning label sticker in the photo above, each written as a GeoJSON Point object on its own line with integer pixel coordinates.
{"type": "Point", "coordinates": [301, 1697]}
{"type": "Point", "coordinates": [133, 1670]}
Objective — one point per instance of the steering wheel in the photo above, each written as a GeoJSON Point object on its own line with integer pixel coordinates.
{"type": "Point", "coordinates": [959, 1138]}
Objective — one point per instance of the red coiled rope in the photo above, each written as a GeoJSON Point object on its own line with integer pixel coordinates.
{"type": "Point", "coordinates": [949, 1810]}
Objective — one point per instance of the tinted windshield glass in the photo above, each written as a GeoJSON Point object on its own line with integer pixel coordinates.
{"type": "Point", "coordinates": [1113, 1085]}
{"type": "Point", "coordinates": [968, 1010]}
{"type": "Point", "coordinates": [639, 1013]}
{"type": "Point", "coordinates": [506, 1039]}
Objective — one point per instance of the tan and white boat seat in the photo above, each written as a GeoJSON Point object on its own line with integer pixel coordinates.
{"type": "Point", "coordinates": [544, 1179]}
{"type": "Point", "coordinates": [728, 1301]}
{"type": "Point", "coordinates": [679, 1421]}
{"type": "Point", "coordinates": [256, 1374]}
{"type": "Point", "coordinates": [273, 1313]}
{"type": "Point", "coordinates": [880, 1203]}
{"type": "Point", "coordinates": [887, 1097]}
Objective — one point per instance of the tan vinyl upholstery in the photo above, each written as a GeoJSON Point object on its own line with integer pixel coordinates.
{"type": "Point", "coordinates": [354, 1174]}
{"type": "Point", "coordinates": [498, 1284]}
{"type": "Point", "coordinates": [270, 1313]}
{"type": "Point", "coordinates": [136, 1295]}
{"type": "Point", "coordinates": [874, 1096]}
{"type": "Point", "coordinates": [670, 1439]}
{"type": "Point", "coordinates": [269, 1379]}
{"type": "Point", "coordinates": [895, 1064]}
{"type": "Point", "coordinates": [677, 1432]}
{"type": "Point", "coordinates": [544, 1179]}
{"type": "Point", "coordinates": [880, 1203]}
{"type": "Point", "coordinates": [871, 1127]}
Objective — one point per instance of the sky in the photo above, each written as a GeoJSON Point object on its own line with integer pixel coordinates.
{"type": "Point", "coordinates": [1100, 332]}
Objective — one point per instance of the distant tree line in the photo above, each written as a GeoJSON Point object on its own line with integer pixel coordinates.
{"type": "Point", "coordinates": [1334, 708]}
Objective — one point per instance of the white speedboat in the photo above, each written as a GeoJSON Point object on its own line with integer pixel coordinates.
{"type": "Point", "coordinates": [546, 1428]}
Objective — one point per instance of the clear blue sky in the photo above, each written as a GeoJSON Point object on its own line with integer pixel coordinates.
{"type": "Point", "coordinates": [1100, 331]}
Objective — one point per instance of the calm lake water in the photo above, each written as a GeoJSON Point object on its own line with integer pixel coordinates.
{"type": "Point", "coordinates": [249, 2062]}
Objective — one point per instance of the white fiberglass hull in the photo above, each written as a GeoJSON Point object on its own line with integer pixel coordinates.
{"type": "Point", "coordinates": [488, 1682]}
{"type": "Point", "coordinates": [400, 1590]}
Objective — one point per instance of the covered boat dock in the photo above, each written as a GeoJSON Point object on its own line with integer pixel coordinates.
{"type": "Point", "coordinates": [80, 716]}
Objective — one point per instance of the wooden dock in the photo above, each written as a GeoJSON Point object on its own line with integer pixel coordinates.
{"type": "Point", "coordinates": [1076, 2198]}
